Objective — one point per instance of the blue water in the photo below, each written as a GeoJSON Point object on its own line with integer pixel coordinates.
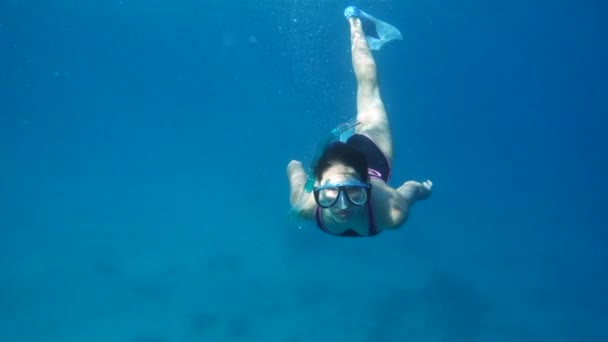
{"type": "Point", "coordinates": [143, 194]}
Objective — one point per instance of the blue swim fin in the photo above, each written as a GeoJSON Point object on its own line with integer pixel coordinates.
{"type": "Point", "coordinates": [377, 32]}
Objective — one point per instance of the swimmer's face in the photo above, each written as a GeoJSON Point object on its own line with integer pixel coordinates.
{"type": "Point", "coordinates": [344, 209]}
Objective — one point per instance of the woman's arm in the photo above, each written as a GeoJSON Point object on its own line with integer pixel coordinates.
{"type": "Point", "coordinates": [299, 199]}
{"type": "Point", "coordinates": [393, 205]}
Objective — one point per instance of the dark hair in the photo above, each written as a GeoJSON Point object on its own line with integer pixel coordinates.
{"type": "Point", "coordinates": [342, 153]}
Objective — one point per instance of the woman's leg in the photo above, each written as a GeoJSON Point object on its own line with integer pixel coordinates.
{"type": "Point", "coordinates": [370, 109]}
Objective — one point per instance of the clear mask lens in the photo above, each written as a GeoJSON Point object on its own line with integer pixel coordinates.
{"type": "Point", "coordinates": [329, 196]}
{"type": "Point", "coordinates": [356, 195]}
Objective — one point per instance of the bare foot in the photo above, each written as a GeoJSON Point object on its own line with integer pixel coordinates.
{"type": "Point", "coordinates": [425, 190]}
{"type": "Point", "coordinates": [416, 190]}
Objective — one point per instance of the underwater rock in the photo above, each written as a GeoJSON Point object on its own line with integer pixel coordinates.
{"type": "Point", "coordinates": [238, 326]}
{"type": "Point", "coordinates": [150, 339]}
{"type": "Point", "coordinates": [203, 321]}
{"type": "Point", "coordinates": [456, 307]}
{"type": "Point", "coordinates": [311, 294]}
{"type": "Point", "coordinates": [106, 269]}
{"type": "Point", "coordinates": [224, 264]}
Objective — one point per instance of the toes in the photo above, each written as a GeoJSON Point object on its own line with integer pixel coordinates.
{"type": "Point", "coordinates": [428, 184]}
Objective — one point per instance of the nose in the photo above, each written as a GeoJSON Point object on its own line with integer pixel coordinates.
{"type": "Point", "coordinates": [342, 202]}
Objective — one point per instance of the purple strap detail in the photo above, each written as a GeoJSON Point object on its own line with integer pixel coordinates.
{"type": "Point", "coordinates": [319, 221]}
{"type": "Point", "coordinates": [373, 229]}
{"type": "Point", "coordinates": [374, 173]}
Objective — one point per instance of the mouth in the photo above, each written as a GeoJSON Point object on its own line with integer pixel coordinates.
{"type": "Point", "coordinates": [343, 213]}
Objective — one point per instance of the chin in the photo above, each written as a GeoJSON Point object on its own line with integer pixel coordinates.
{"type": "Point", "coordinates": [340, 219]}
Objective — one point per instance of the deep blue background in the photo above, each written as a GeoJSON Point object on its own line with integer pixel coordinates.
{"type": "Point", "coordinates": [143, 147]}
